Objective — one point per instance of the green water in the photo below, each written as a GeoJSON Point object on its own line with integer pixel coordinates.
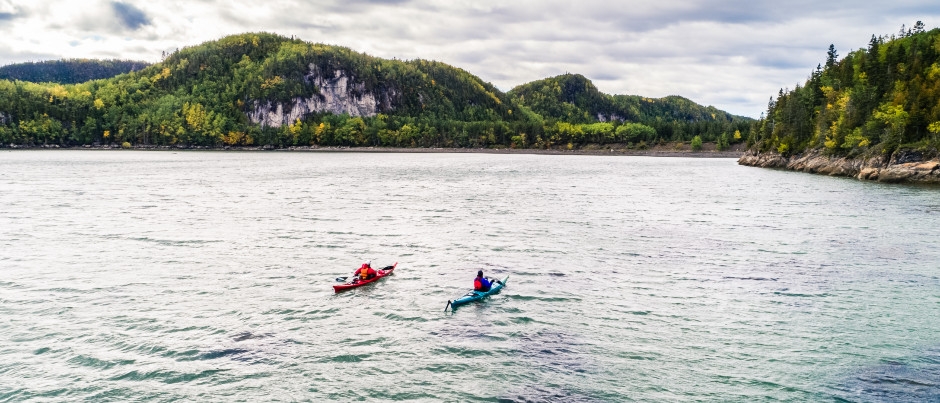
{"type": "Point", "coordinates": [207, 276]}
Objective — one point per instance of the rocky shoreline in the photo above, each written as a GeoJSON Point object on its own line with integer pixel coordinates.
{"type": "Point", "coordinates": [904, 166]}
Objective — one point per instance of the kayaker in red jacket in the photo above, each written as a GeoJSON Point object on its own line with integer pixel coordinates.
{"type": "Point", "coordinates": [365, 272]}
{"type": "Point", "coordinates": [481, 283]}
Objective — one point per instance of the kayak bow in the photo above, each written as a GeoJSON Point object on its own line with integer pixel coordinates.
{"type": "Point", "coordinates": [387, 271]}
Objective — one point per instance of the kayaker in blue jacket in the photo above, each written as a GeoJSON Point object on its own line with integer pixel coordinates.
{"type": "Point", "coordinates": [481, 283]}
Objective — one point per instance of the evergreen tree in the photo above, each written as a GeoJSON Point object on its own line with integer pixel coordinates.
{"type": "Point", "coordinates": [831, 57]}
{"type": "Point", "coordinates": [875, 100]}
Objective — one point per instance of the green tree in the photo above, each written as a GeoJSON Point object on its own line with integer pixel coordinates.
{"type": "Point", "coordinates": [697, 143]}
{"type": "Point", "coordinates": [895, 119]}
{"type": "Point", "coordinates": [831, 57]}
{"type": "Point", "coordinates": [42, 129]}
{"type": "Point", "coordinates": [635, 132]}
{"type": "Point", "coordinates": [934, 129]}
{"type": "Point", "coordinates": [723, 142]}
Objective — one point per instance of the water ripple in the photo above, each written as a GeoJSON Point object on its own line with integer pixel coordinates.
{"type": "Point", "coordinates": [198, 276]}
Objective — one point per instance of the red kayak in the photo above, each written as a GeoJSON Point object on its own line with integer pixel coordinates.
{"type": "Point", "coordinates": [386, 271]}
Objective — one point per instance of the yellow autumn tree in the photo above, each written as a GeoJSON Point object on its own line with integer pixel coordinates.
{"type": "Point", "coordinates": [295, 129]}
{"type": "Point", "coordinates": [934, 129]}
{"type": "Point", "coordinates": [195, 116]}
{"type": "Point", "coordinates": [895, 119]}
{"type": "Point", "coordinates": [323, 133]}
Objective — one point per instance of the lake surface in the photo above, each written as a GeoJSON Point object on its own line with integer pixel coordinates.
{"type": "Point", "coordinates": [206, 276]}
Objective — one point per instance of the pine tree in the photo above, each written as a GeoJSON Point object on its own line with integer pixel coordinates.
{"type": "Point", "coordinates": [831, 56]}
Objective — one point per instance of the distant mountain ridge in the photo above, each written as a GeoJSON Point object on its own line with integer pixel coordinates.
{"type": "Point", "coordinates": [69, 71]}
{"type": "Point", "coordinates": [265, 89]}
{"type": "Point", "coordinates": [574, 98]}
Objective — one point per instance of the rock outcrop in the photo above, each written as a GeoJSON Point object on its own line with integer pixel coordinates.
{"type": "Point", "coordinates": [337, 93]}
{"type": "Point", "coordinates": [610, 118]}
{"type": "Point", "coordinates": [902, 166]}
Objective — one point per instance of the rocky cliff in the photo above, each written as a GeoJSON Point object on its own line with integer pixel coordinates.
{"type": "Point", "coordinates": [902, 166]}
{"type": "Point", "coordinates": [338, 93]}
{"type": "Point", "coordinates": [610, 118]}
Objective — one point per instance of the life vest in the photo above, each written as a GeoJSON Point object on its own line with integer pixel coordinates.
{"type": "Point", "coordinates": [364, 272]}
{"type": "Point", "coordinates": [477, 284]}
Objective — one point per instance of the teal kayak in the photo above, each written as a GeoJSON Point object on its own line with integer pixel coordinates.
{"type": "Point", "coordinates": [477, 295]}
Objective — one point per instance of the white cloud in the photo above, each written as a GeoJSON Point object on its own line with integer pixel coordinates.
{"type": "Point", "coordinates": [732, 54]}
{"type": "Point", "coordinates": [6, 7]}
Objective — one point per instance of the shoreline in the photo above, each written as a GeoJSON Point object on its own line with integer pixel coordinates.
{"type": "Point", "coordinates": [611, 151]}
{"type": "Point", "coordinates": [901, 167]}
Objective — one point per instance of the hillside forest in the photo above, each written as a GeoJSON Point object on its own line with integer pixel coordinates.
{"type": "Point", "coordinates": [874, 101]}
{"type": "Point", "coordinates": [203, 96]}
{"type": "Point", "coordinates": [68, 71]}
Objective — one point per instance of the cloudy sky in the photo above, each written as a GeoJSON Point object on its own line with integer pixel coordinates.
{"type": "Point", "coordinates": [732, 54]}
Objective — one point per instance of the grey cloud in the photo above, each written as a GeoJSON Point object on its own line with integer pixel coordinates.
{"type": "Point", "coordinates": [745, 11]}
{"type": "Point", "coordinates": [233, 18]}
{"type": "Point", "coordinates": [11, 57]}
{"type": "Point", "coordinates": [782, 62]}
{"type": "Point", "coordinates": [730, 53]}
{"type": "Point", "coordinates": [377, 2]}
{"type": "Point", "coordinates": [348, 6]}
{"type": "Point", "coordinates": [8, 15]}
{"type": "Point", "coordinates": [639, 17]}
{"type": "Point", "coordinates": [733, 53]}
{"type": "Point", "coordinates": [606, 76]}
{"type": "Point", "coordinates": [129, 16]}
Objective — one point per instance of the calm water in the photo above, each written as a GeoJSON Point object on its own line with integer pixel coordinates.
{"type": "Point", "coordinates": [206, 276]}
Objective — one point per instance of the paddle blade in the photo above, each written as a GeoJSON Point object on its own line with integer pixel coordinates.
{"type": "Point", "coordinates": [340, 279]}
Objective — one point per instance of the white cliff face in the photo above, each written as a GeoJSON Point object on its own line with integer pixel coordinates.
{"type": "Point", "coordinates": [611, 118]}
{"type": "Point", "coordinates": [337, 95]}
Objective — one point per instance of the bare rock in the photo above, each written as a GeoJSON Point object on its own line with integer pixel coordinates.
{"type": "Point", "coordinates": [894, 174]}
{"type": "Point", "coordinates": [906, 156]}
{"type": "Point", "coordinates": [869, 173]}
{"type": "Point", "coordinates": [902, 166]}
{"type": "Point", "coordinates": [338, 94]}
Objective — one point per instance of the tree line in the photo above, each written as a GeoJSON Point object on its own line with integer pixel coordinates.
{"type": "Point", "coordinates": [68, 71]}
{"type": "Point", "coordinates": [202, 96]}
{"type": "Point", "coordinates": [571, 99]}
{"type": "Point", "coordinates": [873, 101]}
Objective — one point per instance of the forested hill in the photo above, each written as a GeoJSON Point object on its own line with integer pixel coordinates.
{"type": "Point", "coordinates": [68, 71]}
{"type": "Point", "coordinates": [573, 98]}
{"type": "Point", "coordinates": [873, 102]}
{"type": "Point", "coordinates": [265, 89]}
